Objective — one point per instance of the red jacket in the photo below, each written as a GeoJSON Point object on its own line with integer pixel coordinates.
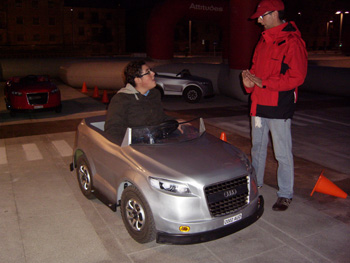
{"type": "Point", "coordinates": [280, 60]}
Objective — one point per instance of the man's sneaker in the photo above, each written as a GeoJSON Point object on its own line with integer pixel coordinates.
{"type": "Point", "coordinates": [281, 204]}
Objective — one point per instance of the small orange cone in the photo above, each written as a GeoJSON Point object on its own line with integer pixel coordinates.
{"type": "Point", "coordinates": [96, 95]}
{"type": "Point", "coordinates": [325, 186]}
{"type": "Point", "coordinates": [223, 137]}
{"type": "Point", "coordinates": [84, 88]}
{"type": "Point", "coordinates": [105, 97]}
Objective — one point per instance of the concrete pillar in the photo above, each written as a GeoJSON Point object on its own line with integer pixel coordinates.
{"type": "Point", "coordinates": [244, 34]}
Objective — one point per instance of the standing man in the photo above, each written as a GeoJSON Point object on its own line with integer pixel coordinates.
{"type": "Point", "coordinates": [279, 66]}
{"type": "Point", "coordinates": [138, 104]}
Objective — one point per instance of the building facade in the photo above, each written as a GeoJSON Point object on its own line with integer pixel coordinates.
{"type": "Point", "coordinates": [61, 27]}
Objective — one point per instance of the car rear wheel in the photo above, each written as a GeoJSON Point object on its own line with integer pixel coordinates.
{"type": "Point", "coordinates": [192, 94]}
{"type": "Point", "coordinates": [12, 113]}
{"type": "Point", "coordinates": [84, 177]}
{"type": "Point", "coordinates": [58, 109]}
{"type": "Point", "coordinates": [137, 215]}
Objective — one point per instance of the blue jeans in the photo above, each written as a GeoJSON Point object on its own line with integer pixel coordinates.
{"type": "Point", "coordinates": [282, 145]}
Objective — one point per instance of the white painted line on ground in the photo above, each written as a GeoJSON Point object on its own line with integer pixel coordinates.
{"type": "Point", "coordinates": [306, 119]}
{"type": "Point", "coordinates": [231, 126]}
{"type": "Point", "coordinates": [32, 152]}
{"type": "Point", "coordinates": [63, 148]}
{"type": "Point", "coordinates": [298, 123]}
{"type": "Point", "coordinates": [324, 119]}
{"type": "Point", "coordinates": [3, 157]}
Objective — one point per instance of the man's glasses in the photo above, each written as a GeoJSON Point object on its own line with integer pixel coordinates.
{"type": "Point", "coordinates": [147, 73]}
{"type": "Point", "coordinates": [262, 16]}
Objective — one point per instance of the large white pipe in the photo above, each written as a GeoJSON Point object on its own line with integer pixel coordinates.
{"type": "Point", "coordinates": [103, 74]}
{"type": "Point", "coordinates": [108, 74]}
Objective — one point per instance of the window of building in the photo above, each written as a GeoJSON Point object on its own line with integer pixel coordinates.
{"type": "Point", "coordinates": [1, 38]}
{"type": "Point", "coordinates": [81, 31]}
{"type": "Point", "coordinates": [51, 4]}
{"type": "Point", "coordinates": [52, 21]}
{"type": "Point", "coordinates": [36, 21]}
{"type": "Point", "coordinates": [18, 3]}
{"type": "Point", "coordinates": [81, 15]}
{"type": "Point", "coordinates": [36, 37]}
{"type": "Point", "coordinates": [109, 16]}
{"type": "Point", "coordinates": [2, 20]}
{"type": "Point", "coordinates": [35, 3]}
{"type": "Point", "coordinates": [20, 38]}
{"type": "Point", "coordinates": [52, 38]}
{"type": "Point", "coordinates": [19, 20]}
{"type": "Point", "coordinates": [94, 17]}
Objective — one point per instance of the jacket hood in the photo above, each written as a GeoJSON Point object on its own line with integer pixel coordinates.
{"type": "Point", "coordinates": [128, 89]}
{"type": "Point", "coordinates": [281, 31]}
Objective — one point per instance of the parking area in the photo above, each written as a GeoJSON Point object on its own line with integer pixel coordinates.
{"type": "Point", "coordinates": [45, 218]}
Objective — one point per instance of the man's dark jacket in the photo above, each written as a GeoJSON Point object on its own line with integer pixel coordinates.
{"type": "Point", "coordinates": [129, 108]}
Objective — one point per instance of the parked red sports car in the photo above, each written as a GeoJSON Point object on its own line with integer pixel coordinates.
{"type": "Point", "coordinates": [32, 92]}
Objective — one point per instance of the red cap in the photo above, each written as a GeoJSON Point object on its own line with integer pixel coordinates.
{"type": "Point", "coordinates": [268, 5]}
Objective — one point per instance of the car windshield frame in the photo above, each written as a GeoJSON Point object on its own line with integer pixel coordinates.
{"type": "Point", "coordinates": [165, 133]}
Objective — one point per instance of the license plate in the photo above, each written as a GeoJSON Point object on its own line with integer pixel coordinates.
{"type": "Point", "coordinates": [233, 219]}
{"type": "Point", "coordinates": [38, 107]}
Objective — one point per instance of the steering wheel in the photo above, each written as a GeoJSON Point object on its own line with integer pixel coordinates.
{"type": "Point", "coordinates": [166, 128]}
{"type": "Point", "coordinates": [183, 73]}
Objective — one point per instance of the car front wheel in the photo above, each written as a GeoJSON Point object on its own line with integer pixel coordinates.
{"type": "Point", "coordinates": [192, 94]}
{"type": "Point", "coordinates": [84, 177]}
{"type": "Point", "coordinates": [137, 215]}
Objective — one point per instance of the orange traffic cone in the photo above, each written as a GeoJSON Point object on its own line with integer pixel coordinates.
{"type": "Point", "coordinates": [96, 95]}
{"type": "Point", "coordinates": [105, 97]}
{"type": "Point", "coordinates": [223, 137]}
{"type": "Point", "coordinates": [84, 88]}
{"type": "Point", "coordinates": [325, 186]}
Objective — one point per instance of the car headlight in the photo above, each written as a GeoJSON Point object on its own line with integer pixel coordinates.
{"type": "Point", "coordinates": [203, 83]}
{"type": "Point", "coordinates": [246, 161]}
{"type": "Point", "coordinates": [16, 93]}
{"type": "Point", "coordinates": [170, 186]}
{"type": "Point", "coordinates": [54, 90]}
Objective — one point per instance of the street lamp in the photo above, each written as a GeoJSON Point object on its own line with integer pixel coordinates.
{"type": "Point", "coordinates": [327, 33]}
{"type": "Point", "coordinates": [341, 13]}
{"type": "Point", "coordinates": [72, 16]}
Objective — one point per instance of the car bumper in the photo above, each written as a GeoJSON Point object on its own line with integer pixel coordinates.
{"type": "Point", "coordinates": [183, 239]}
{"type": "Point", "coordinates": [21, 103]}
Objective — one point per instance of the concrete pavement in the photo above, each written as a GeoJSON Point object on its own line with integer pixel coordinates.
{"type": "Point", "coordinates": [45, 218]}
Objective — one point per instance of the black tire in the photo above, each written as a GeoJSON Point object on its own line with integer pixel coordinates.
{"type": "Point", "coordinates": [84, 177]}
{"type": "Point", "coordinates": [137, 215]}
{"type": "Point", "coordinates": [58, 109]}
{"type": "Point", "coordinates": [192, 94]}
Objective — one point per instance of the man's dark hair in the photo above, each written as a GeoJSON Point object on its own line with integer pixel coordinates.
{"type": "Point", "coordinates": [133, 70]}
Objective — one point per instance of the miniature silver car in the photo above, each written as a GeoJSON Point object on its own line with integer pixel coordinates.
{"type": "Point", "coordinates": [192, 88]}
{"type": "Point", "coordinates": [174, 182]}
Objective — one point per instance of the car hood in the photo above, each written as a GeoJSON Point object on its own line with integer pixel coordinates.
{"type": "Point", "coordinates": [202, 160]}
{"type": "Point", "coordinates": [37, 87]}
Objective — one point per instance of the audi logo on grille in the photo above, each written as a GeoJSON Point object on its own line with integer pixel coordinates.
{"type": "Point", "coordinates": [229, 193]}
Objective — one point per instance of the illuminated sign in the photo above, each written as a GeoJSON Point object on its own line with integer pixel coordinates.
{"type": "Point", "coordinates": [206, 8]}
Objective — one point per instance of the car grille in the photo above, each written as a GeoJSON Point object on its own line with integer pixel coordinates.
{"type": "Point", "coordinates": [37, 98]}
{"type": "Point", "coordinates": [227, 197]}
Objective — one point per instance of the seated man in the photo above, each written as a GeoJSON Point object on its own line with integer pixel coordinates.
{"type": "Point", "coordinates": [138, 104]}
